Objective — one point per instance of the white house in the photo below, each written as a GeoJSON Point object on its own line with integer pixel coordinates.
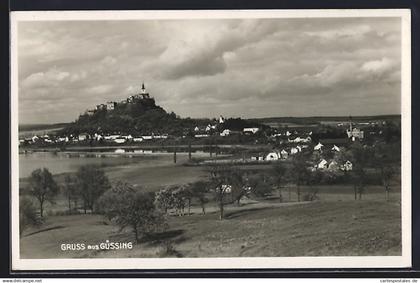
{"type": "Point", "coordinates": [196, 129]}
{"type": "Point", "coordinates": [82, 137]}
{"type": "Point", "coordinates": [120, 140]}
{"type": "Point", "coordinates": [221, 119]}
{"type": "Point", "coordinates": [272, 156]}
{"type": "Point", "coordinates": [288, 133]}
{"type": "Point", "coordinates": [284, 154]}
{"type": "Point", "coordinates": [318, 146]}
{"type": "Point", "coordinates": [335, 148]}
{"type": "Point", "coordinates": [299, 139]}
{"type": "Point", "coordinates": [299, 148]}
{"type": "Point", "coordinates": [322, 164]}
{"type": "Point", "coordinates": [347, 166]}
{"type": "Point", "coordinates": [226, 188]}
{"type": "Point", "coordinates": [119, 150]}
{"type": "Point", "coordinates": [225, 133]}
{"type": "Point", "coordinates": [208, 128]}
{"type": "Point", "coordinates": [201, 136]}
{"type": "Point", "coordinates": [138, 139]}
{"type": "Point", "coordinates": [294, 150]}
{"type": "Point", "coordinates": [250, 130]}
{"type": "Point", "coordinates": [146, 137]}
{"type": "Point", "coordinates": [112, 137]}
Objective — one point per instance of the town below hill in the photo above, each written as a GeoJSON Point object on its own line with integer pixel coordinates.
{"type": "Point", "coordinates": [139, 121]}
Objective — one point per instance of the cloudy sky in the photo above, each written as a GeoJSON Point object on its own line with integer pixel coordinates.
{"type": "Point", "coordinates": [204, 68]}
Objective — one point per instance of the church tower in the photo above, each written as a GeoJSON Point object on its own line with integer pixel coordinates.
{"type": "Point", "coordinates": [143, 91]}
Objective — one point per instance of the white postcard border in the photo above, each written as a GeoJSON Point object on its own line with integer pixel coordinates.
{"type": "Point", "coordinates": [226, 262]}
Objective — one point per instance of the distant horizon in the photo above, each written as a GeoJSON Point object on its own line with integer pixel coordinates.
{"type": "Point", "coordinates": [271, 117]}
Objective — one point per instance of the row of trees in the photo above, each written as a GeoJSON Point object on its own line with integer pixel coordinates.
{"type": "Point", "coordinates": [88, 184]}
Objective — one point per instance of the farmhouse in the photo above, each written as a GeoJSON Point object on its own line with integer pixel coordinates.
{"type": "Point", "coordinates": [225, 133]}
{"type": "Point", "coordinates": [83, 137]}
{"type": "Point", "coordinates": [272, 156]}
{"type": "Point", "coordinates": [294, 150]}
{"type": "Point", "coordinates": [250, 130]}
{"type": "Point", "coordinates": [284, 154]}
{"type": "Point", "coordinates": [318, 146]}
{"type": "Point", "coordinates": [335, 148]}
{"type": "Point", "coordinates": [322, 164]}
{"type": "Point", "coordinates": [347, 166]}
{"type": "Point", "coordinates": [120, 140]}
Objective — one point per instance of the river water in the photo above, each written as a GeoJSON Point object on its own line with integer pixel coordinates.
{"type": "Point", "coordinates": [62, 162]}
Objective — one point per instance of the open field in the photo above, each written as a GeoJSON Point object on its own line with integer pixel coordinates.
{"type": "Point", "coordinates": [321, 228]}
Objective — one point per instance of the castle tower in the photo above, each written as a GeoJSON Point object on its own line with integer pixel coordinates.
{"type": "Point", "coordinates": [143, 89]}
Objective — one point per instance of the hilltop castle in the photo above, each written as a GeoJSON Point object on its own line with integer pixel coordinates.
{"type": "Point", "coordinates": [111, 105]}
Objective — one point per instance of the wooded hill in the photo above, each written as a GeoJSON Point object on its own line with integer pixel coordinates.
{"type": "Point", "coordinates": [144, 117]}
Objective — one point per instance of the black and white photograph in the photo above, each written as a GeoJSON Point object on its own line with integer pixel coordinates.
{"type": "Point", "coordinates": [211, 139]}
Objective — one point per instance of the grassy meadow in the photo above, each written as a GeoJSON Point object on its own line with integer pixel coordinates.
{"type": "Point", "coordinates": [321, 228]}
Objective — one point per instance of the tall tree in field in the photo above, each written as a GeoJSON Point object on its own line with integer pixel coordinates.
{"type": "Point", "coordinates": [43, 187]}
{"type": "Point", "coordinates": [71, 191]}
{"type": "Point", "coordinates": [385, 160]}
{"type": "Point", "coordinates": [361, 157]}
{"type": "Point", "coordinates": [238, 182]}
{"type": "Point", "coordinates": [188, 196]}
{"type": "Point", "coordinates": [130, 208]}
{"type": "Point", "coordinates": [219, 178]}
{"type": "Point", "coordinates": [279, 177]}
{"type": "Point", "coordinates": [200, 189]}
{"type": "Point", "coordinates": [27, 214]}
{"type": "Point", "coordinates": [387, 173]}
{"type": "Point", "coordinates": [260, 185]}
{"type": "Point", "coordinates": [298, 173]}
{"type": "Point", "coordinates": [164, 199]}
{"type": "Point", "coordinates": [92, 183]}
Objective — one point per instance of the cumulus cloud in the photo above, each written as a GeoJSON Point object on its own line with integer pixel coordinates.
{"type": "Point", "coordinates": [52, 77]}
{"type": "Point", "coordinates": [378, 66]}
{"type": "Point", "coordinates": [203, 68]}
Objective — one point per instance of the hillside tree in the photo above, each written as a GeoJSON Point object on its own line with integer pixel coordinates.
{"type": "Point", "coordinates": [279, 177]}
{"type": "Point", "coordinates": [43, 187]}
{"type": "Point", "coordinates": [132, 208]}
{"type": "Point", "coordinates": [92, 183]}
